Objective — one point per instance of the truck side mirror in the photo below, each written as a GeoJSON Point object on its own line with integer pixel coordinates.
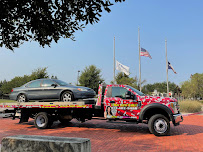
{"type": "Point", "coordinates": [129, 95]}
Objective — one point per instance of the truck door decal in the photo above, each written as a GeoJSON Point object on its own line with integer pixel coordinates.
{"type": "Point", "coordinates": [117, 106]}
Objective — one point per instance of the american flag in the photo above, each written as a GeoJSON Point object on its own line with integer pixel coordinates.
{"type": "Point", "coordinates": [145, 53]}
{"type": "Point", "coordinates": [171, 67]}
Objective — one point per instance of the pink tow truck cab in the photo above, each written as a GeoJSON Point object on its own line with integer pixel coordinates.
{"type": "Point", "coordinates": [123, 102]}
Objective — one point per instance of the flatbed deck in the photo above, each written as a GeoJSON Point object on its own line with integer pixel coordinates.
{"type": "Point", "coordinates": [51, 111]}
{"type": "Point", "coordinates": [77, 104]}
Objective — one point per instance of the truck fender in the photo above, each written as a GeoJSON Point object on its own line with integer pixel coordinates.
{"type": "Point", "coordinates": [155, 106]}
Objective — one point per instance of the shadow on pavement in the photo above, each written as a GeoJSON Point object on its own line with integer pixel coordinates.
{"type": "Point", "coordinates": [186, 129]}
{"type": "Point", "coordinates": [141, 128]}
{"type": "Point", "coordinates": [138, 128]}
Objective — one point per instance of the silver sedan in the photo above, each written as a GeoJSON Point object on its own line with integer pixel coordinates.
{"type": "Point", "coordinates": [50, 89]}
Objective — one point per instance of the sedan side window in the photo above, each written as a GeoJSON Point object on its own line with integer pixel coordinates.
{"type": "Point", "coordinates": [47, 83]}
{"type": "Point", "coordinates": [35, 84]}
{"type": "Point", "coordinates": [119, 92]}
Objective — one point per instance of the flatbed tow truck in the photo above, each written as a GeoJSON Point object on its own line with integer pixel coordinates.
{"type": "Point", "coordinates": [114, 103]}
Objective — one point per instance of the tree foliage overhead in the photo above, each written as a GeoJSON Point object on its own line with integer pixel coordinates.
{"type": "Point", "coordinates": [193, 88]}
{"type": "Point", "coordinates": [45, 21]}
{"type": "Point", "coordinates": [91, 77]}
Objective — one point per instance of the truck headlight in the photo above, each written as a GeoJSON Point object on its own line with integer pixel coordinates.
{"type": "Point", "coordinates": [174, 106]}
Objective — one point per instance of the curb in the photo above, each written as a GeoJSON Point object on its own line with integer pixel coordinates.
{"type": "Point", "coordinates": [189, 114]}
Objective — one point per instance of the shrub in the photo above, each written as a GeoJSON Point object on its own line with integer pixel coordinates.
{"type": "Point", "coordinates": [201, 101]}
{"type": "Point", "coordinates": [190, 106]}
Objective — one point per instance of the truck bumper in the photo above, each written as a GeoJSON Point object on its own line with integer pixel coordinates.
{"type": "Point", "coordinates": [177, 118]}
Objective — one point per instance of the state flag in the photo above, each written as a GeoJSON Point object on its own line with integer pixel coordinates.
{"type": "Point", "coordinates": [171, 67]}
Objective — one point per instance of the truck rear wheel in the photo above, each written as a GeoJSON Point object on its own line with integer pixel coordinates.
{"type": "Point", "coordinates": [159, 125]}
{"type": "Point", "coordinates": [41, 120]}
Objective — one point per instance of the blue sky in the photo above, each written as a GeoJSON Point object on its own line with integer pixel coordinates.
{"type": "Point", "coordinates": [180, 22]}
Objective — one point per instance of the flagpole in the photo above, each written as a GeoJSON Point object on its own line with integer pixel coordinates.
{"type": "Point", "coordinates": [114, 81]}
{"type": "Point", "coordinates": [167, 68]}
{"type": "Point", "coordinates": [139, 59]}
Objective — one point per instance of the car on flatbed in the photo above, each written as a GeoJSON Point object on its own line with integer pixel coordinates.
{"type": "Point", "coordinates": [50, 89]}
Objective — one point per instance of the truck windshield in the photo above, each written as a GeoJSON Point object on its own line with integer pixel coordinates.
{"type": "Point", "coordinates": [135, 90]}
{"type": "Point", "coordinates": [62, 83]}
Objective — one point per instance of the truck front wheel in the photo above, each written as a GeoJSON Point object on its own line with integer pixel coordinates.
{"type": "Point", "coordinates": [159, 125]}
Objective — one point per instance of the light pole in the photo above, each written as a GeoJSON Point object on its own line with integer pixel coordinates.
{"type": "Point", "coordinates": [78, 76]}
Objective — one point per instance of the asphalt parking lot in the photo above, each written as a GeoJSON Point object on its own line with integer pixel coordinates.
{"type": "Point", "coordinates": [114, 137]}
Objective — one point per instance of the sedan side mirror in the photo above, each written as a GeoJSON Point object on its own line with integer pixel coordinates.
{"type": "Point", "coordinates": [54, 85]}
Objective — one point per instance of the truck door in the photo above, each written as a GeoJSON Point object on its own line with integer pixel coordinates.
{"type": "Point", "coordinates": [119, 103]}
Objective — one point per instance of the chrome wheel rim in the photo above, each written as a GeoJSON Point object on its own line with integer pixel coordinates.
{"type": "Point", "coordinates": [40, 121]}
{"type": "Point", "coordinates": [160, 126]}
{"type": "Point", "coordinates": [67, 97]}
{"type": "Point", "coordinates": [21, 98]}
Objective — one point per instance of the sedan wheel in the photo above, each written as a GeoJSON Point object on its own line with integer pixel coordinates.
{"type": "Point", "coordinates": [67, 97]}
{"type": "Point", "coordinates": [22, 98]}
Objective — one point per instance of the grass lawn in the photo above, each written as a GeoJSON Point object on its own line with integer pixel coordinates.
{"type": "Point", "coordinates": [4, 100]}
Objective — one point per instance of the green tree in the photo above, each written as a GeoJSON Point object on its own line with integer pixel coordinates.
{"type": "Point", "coordinates": [122, 78]}
{"type": "Point", "coordinates": [1, 83]}
{"type": "Point", "coordinates": [160, 87]}
{"type": "Point", "coordinates": [39, 73]}
{"type": "Point", "coordinates": [54, 77]}
{"type": "Point", "coordinates": [91, 77]}
{"type": "Point", "coordinates": [45, 21]}
{"type": "Point", "coordinates": [187, 91]}
{"type": "Point", "coordinates": [193, 87]}
{"type": "Point", "coordinates": [148, 88]}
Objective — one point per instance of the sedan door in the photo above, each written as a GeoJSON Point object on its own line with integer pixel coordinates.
{"type": "Point", "coordinates": [50, 89]}
{"type": "Point", "coordinates": [34, 90]}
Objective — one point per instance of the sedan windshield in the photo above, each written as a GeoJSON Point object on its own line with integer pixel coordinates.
{"type": "Point", "coordinates": [62, 83]}
{"type": "Point", "coordinates": [135, 90]}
